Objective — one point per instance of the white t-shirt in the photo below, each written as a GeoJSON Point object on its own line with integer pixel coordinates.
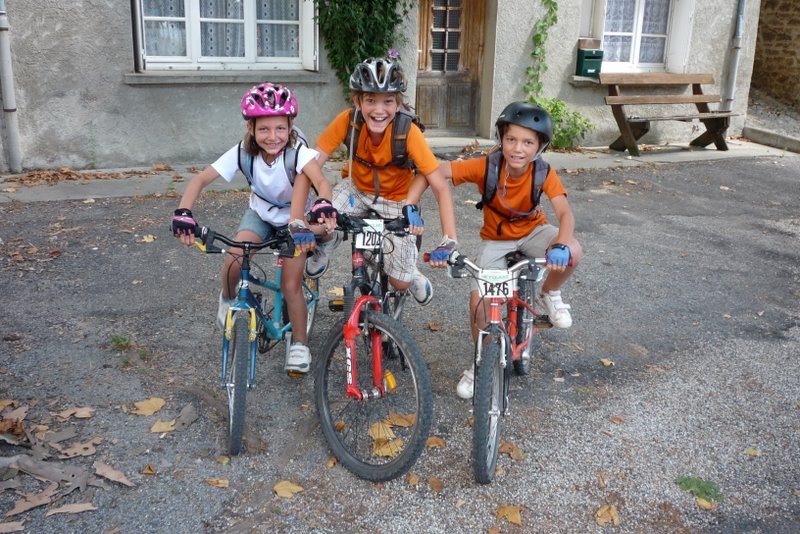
{"type": "Point", "coordinates": [270, 181]}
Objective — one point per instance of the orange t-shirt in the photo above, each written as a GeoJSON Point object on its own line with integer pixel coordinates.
{"type": "Point", "coordinates": [394, 181]}
{"type": "Point", "coordinates": [514, 193]}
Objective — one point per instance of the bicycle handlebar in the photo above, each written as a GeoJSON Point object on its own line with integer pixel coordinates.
{"type": "Point", "coordinates": [207, 236]}
{"type": "Point", "coordinates": [459, 260]}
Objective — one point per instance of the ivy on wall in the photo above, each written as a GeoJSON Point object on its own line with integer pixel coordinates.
{"type": "Point", "coordinates": [568, 126]}
{"type": "Point", "coordinates": [355, 30]}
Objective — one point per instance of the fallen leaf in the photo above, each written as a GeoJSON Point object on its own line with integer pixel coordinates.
{"type": "Point", "coordinates": [7, 402]}
{"type": "Point", "coordinates": [218, 482]}
{"type": "Point", "coordinates": [224, 460]}
{"type": "Point", "coordinates": [434, 327]}
{"type": "Point", "coordinates": [403, 420]}
{"type": "Point", "coordinates": [435, 484]}
{"type": "Point", "coordinates": [89, 201]}
{"type": "Point", "coordinates": [72, 509]}
{"type": "Point", "coordinates": [9, 190]}
{"type": "Point", "coordinates": [606, 362]}
{"type": "Point", "coordinates": [510, 513]}
{"type": "Point", "coordinates": [435, 441]}
{"type": "Point", "coordinates": [511, 449]}
{"type": "Point", "coordinates": [81, 449]}
{"type": "Point", "coordinates": [148, 470]}
{"type": "Point", "coordinates": [388, 448]}
{"type": "Point", "coordinates": [149, 238]}
{"type": "Point", "coordinates": [336, 291]}
{"type": "Point", "coordinates": [724, 188]}
{"type": "Point", "coordinates": [470, 422]}
{"type": "Point", "coordinates": [616, 419]}
{"type": "Point", "coordinates": [381, 430]}
{"type": "Point", "coordinates": [752, 452]}
{"type": "Point", "coordinates": [106, 471]}
{"type": "Point", "coordinates": [339, 426]}
{"type": "Point", "coordinates": [493, 530]}
{"type": "Point", "coordinates": [460, 503]}
{"type": "Point", "coordinates": [727, 316]}
{"type": "Point", "coordinates": [162, 426]}
{"type": "Point", "coordinates": [162, 167]}
{"type": "Point", "coordinates": [607, 514]}
{"type": "Point", "coordinates": [286, 489]}
{"type": "Point", "coordinates": [31, 501]}
{"type": "Point", "coordinates": [331, 462]}
{"type": "Point", "coordinates": [149, 406]}
{"type": "Point", "coordinates": [704, 504]}
{"type": "Point", "coordinates": [31, 250]}
{"type": "Point", "coordinates": [412, 479]}
{"type": "Point", "coordinates": [11, 526]}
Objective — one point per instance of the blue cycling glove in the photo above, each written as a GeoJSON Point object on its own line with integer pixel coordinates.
{"type": "Point", "coordinates": [558, 255]}
{"type": "Point", "coordinates": [412, 216]}
{"type": "Point", "coordinates": [301, 235]}
{"type": "Point", "coordinates": [442, 252]}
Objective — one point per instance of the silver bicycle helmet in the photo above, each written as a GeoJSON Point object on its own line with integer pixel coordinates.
{"type": "Point", "coordinates": [378, 75]}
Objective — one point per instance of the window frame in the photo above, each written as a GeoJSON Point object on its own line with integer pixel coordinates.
{"type": "Point", "coordinates": [679, 30]}
{"type": "Point", "coordinates": [308, 45]}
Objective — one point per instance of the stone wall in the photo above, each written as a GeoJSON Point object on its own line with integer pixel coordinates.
{"type": "Point", "coordinates": [776, 66]}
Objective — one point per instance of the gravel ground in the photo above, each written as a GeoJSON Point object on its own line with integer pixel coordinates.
{"type": "Point", "coordinates": [767, 113]}
{"type": "Point", "coordinates": [690, 285]}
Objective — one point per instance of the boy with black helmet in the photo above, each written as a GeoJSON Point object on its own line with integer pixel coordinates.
{"type": "Point", "coordinates": [511, 182]}
{"type": "Point", "coordinates": [385, 148]}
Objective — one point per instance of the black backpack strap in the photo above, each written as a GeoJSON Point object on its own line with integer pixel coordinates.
{"type": "Point", "coordinates": [246, 163]}
{"type": "Point", "coordinates": [494, 161]}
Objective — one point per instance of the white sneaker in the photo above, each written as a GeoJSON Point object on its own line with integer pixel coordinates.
{"type": "Point", "coordinates": [421, 289]}
{"type": "Point", "coordinates": [317, 263]}
{"type": "Point", "coordinates": [222, 309]}
{"type": "Point", "coordinates": [466, 385]}
{"type": "Point", "coordinates": [556, 309]}
{"type": "Point", "coordinates": [298, 359]}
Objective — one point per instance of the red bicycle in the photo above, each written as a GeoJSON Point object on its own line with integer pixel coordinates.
{"type": "Point", "coordinates": [508, 340]}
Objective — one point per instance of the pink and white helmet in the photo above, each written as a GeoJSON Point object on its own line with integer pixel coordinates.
{"type": "Point", "coordinates": [269, 100]}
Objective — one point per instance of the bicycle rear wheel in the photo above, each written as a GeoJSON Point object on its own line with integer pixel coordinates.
{"type": "Point", "coordinates": [487, 410]}
{"type": "Point", "coordinates": [525, 329]}
{"type": "Point", "coordinates": [236, 380]}
{"type": "Point", "coordinates": [378, 438]}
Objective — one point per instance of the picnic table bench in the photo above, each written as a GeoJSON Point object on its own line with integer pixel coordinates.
{"type": "Point", "coordinates": [648, 88]}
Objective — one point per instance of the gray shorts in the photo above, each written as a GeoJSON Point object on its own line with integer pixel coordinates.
{"type": "Point", "coordinates": [400, 253]}
{"type": "Point", "coordinates": [492, 254]}
{"type": "Point", "coordinates": [253, 223]}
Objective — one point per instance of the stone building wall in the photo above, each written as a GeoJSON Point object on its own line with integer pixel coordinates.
{"type": "Point", "coordinates": [776, 67]}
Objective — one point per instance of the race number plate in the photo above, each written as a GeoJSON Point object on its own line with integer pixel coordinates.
{"type": "Point", "coordinates": [496, 283]}
{"type": "Point", "coordinates": [370, 238]}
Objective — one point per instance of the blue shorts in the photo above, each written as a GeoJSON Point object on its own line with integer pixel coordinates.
{"type": "Point", "coordinates": [253, 223]}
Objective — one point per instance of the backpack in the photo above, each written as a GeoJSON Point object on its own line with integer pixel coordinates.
{"type": "Point", "coordinates": [246, 162]}
{"type": "Point", "coordinates": [402, 124]}
{"type": "Point", "coordinates": [491, 177]}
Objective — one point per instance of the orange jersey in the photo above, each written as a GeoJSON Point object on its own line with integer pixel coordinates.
{"type": "Point", "coordinates": [394, 181]}
{"type": "Point", "coordinates": [512, 194]}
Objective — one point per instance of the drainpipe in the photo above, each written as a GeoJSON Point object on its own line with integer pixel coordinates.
{"type": "Point", "coordinates": [729, 91]}
{"type": "Point", "coordinates": [10, 119]}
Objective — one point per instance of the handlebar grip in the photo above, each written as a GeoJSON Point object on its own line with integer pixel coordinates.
{"type": "Point", "coordinates": [426, 257]}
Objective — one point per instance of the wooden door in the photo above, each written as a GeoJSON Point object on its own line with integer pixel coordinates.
{"type": "Point", "coordinates": [448, 75]}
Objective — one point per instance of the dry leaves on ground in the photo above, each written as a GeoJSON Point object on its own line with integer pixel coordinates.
{"type": "Point", "coordinates": [286, 489]}
{"type": "Point", "coordinates": [511, 513]}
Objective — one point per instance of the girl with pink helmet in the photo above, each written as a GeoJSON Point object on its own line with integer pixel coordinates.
{"type": "Point", "coordinates": [280, 169]}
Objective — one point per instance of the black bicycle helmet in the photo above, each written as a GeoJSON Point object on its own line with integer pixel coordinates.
{"type": "Point", "coordinates": [378, 75]}
{"type": "Point", "coordinates": [528, 116]}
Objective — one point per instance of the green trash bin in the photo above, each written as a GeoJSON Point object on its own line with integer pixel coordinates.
{"type": "Point", "coordinates": [589, 62]}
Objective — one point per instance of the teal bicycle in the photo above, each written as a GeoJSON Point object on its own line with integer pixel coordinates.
{"type": "Point", "coordinates": [255, 322]}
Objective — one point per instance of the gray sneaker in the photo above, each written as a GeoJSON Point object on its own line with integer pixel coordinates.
{"type": "Point", "coordinates": [298, 359]}
{"type": "Point", "coordinates": [317, 263]}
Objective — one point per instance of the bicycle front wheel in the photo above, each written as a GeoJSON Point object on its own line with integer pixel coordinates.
{"type": "Point", "coordinates": [525, 329]}
{"type": "Point", "coordinates": [236, 381]}
{"type": "Point", "coordinates": [377, 438]}
{"type": "Point", "coordinates": [488, 407]}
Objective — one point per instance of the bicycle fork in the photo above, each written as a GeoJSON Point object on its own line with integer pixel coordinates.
{"type": "Point", "coordinates": [381, 382]}
{"type": "Point", "coordinates": [251, 341]}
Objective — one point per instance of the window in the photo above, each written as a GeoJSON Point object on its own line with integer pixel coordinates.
{"type": "Point", "coordinates": [226, 34]}
{"type": "Point", "coordinates": [446, 35]}
{"type": "Point", "coordinates": [640, 35]}
{"type": "Point", "coordinates": [635, 32]}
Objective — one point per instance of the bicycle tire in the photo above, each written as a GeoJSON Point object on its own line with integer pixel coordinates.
{"type": "Point", "coordinates": [527, 292]}
{"type": "Point", "coordinates": [236, 381]}
{"type": "Point", "coordinates": [346, 421]}
{"type": "Point", "coordinates": [487, 410]}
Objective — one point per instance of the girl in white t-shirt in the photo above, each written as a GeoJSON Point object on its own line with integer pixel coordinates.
{"type": "Point", "coordinates": [270, 110]}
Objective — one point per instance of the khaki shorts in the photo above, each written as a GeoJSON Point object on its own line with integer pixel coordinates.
{"type": "Point", "coordinates": [400, 253]}
{"type": "Point", "coordinates": [492, 254]}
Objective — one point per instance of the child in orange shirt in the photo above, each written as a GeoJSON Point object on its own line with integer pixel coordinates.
{"type": "Point", "coordinates": [512, 218]}
{"type": "Point", "coordinates": [377, 181]}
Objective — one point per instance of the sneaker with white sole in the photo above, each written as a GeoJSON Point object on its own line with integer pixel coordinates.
{"type": "Point", "coordinates": [421, 289]}
{"type": "Point", "coordinates": [556, 309]}
{"type": "Point", "coordinates": [317, 263]}
{"type": "Point", "coordinates": [466, 385]}
{"type": "Point", "coordinates": [298, 359]}
{"type": "Point", "coordinates": [222, 309]}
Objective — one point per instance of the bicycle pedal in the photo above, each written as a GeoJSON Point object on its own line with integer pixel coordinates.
{"type": "Point", "coordinates": [336, 305]}
{"type": "Point", "coordinates": [542, 321]}
{"type": "Point", "coordinates": [295, 374]}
